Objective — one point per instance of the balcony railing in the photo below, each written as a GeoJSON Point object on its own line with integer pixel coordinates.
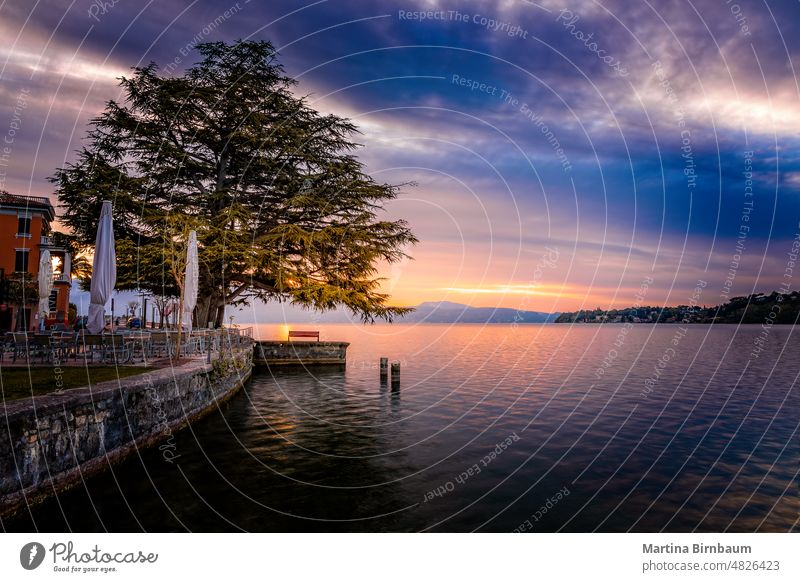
{"type": "Point", "coordinates": [45, 241]}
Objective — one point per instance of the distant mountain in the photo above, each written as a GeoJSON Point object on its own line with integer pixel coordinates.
{"type": "Point", "coordinates": [430, 312]}
{"type": "Point", "coordinates": [448, 312]}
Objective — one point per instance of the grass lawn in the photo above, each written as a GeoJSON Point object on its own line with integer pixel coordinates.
{"type": "Point", "coordinates": [24, 382]}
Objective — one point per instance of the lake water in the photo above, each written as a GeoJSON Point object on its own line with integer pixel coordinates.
{"type": "Point", "coordinates": [493, 428]}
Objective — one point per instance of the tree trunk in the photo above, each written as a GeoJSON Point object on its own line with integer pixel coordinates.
{"type": "Point", "coordinates": [220, 316]}
{"type": "Point", "coordinates": [203, 310]}
{"type": "Point", "coordinates": [179, 329]}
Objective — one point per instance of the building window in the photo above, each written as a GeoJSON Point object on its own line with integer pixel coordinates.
{"type": "Point", "coordinates": [21, 261]}
{"type": "Point", "coordinates": [24, 225]}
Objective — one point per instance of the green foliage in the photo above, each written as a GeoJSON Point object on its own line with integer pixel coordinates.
{"type": "Point", "coordinates": [282, 208]}
{"type": "Point", "coordinates": [227, 364]}
{"type": "Point", "coordinates": [759, 308]}
{"type": "Point", "coordinates": [22, 289]}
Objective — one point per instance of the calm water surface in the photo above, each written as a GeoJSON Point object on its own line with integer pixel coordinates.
{"type": "Point", "coordinates": [646, 431]}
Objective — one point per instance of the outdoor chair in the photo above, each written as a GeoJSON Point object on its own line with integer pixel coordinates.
{"type": "Point", "coordinates": [160, 344]}
{"type": "Point", "coordinates": [6, 345]}
{"type": "Point", "coordinates": [194, 342]}
{"type": "Point", "coordinates": [139, 343]}
{"type": "Point", "coordinates": [189, 342]}
{"type": "Point", "coordinates": [115, 349]}
{"type": "Point", "coordinates": [87, 345]}
{"type": "Point", "coordinates": [65, 344]}
{"type": "Point", "coordinates": [41, 346]}
{"type": "Point", "coordinates": [213, 340]}
{"type": "Point", "coordinates": [20, 342]}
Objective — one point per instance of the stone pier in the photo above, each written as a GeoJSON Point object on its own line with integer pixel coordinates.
{"type": "Point", "coordinates": [51, 443]}
{"type": "Point", "coordinates": [299, 353]}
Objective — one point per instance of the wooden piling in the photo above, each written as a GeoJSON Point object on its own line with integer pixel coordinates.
{"type": "Point", "coordinates": [395, 374]}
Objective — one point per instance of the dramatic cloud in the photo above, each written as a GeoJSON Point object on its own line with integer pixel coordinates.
{"type": "Point", "coordinates": [638, 139]}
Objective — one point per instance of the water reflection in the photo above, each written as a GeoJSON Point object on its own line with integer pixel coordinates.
{"type": "Point", "coordinates": [710, 447]}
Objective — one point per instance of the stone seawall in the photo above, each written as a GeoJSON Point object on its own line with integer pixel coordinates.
{"type": "Point", "coordinates": [280, 353]}
{"type": "Point", "coordinates": [51, 443]}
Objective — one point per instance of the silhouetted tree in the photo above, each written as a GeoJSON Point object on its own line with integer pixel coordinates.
{"type": "Point", "coordinates": [284, 210]}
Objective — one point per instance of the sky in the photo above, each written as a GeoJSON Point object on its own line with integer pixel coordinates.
{"type": "Point", "coordinates": [563, 154]}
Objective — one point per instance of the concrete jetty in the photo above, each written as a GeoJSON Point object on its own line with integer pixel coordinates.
{"type": "Point", "coordinates": [299, 353]}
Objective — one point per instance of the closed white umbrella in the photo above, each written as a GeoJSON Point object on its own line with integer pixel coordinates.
{"type": "Point", "coordinates": [45, 284]}
{"type": "Point", "coordinates": [190, 281]}
{"type": "Point", "coordinates": [104, 270]}
{"type": "Point", "coordinates": [67, 270]}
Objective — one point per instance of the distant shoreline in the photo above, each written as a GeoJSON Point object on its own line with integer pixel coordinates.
{"type": "Point", "coordinates": [756, 309]}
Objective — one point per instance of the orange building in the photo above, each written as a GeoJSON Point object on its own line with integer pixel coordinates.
{"type": "Point", "coordinates": [24, 233]}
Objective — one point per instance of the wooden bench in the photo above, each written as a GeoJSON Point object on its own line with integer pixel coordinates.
{"type": "Point", "coordinates": [303, 334]}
